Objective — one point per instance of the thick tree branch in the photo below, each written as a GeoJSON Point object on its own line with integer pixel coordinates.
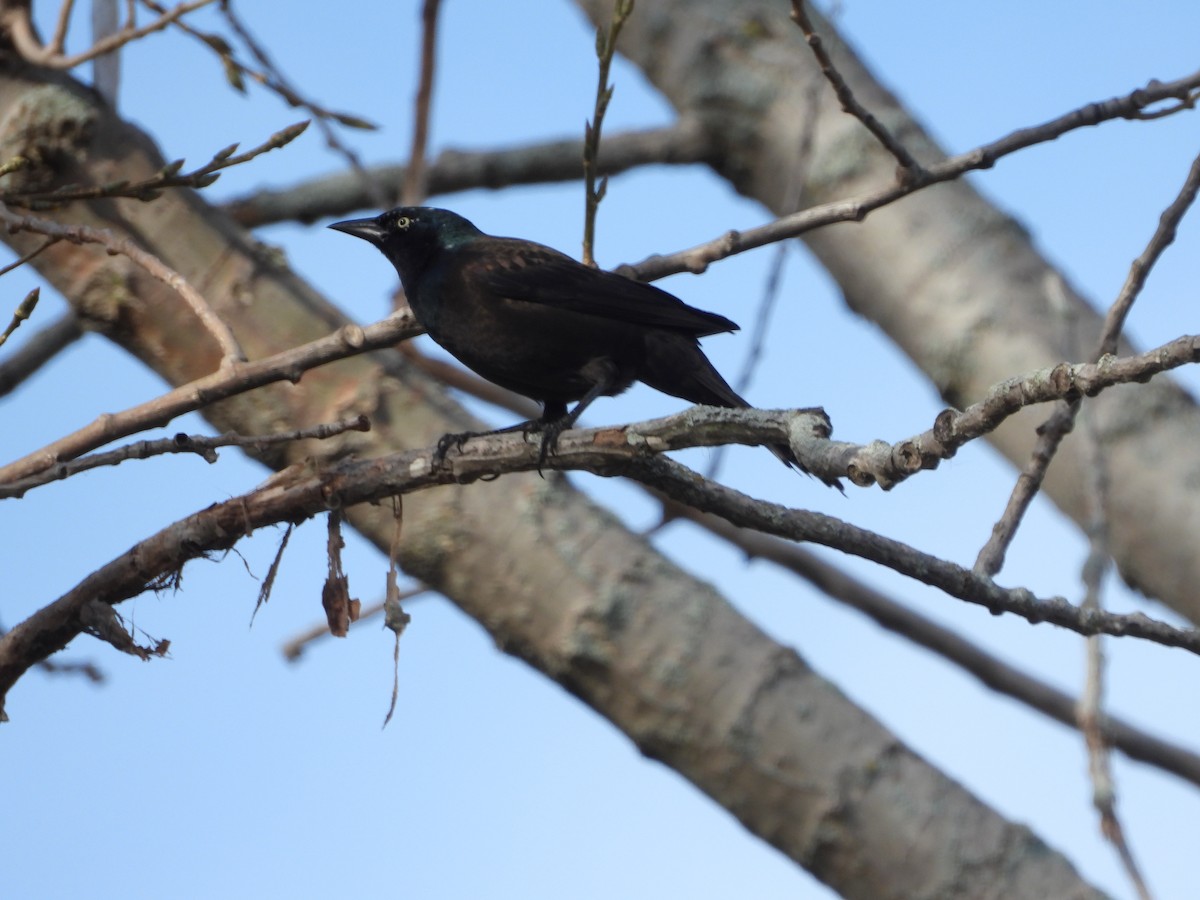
{"type": "Point", "coordinates": [973, 659]}
{"type": "Point", "coordinates": [605, 451]}
{"type": "Point", "coordinates": [460, 170]}
{"type": "Point", "coordinates": [844, 588]}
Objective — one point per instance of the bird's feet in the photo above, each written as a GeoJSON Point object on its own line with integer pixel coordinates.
{"type": "Point", "coordinates": [458, 438]}
{"type": "Point", "coordinates": [549, 432]}
{"type": "Point", "coordinates": [455, 440]}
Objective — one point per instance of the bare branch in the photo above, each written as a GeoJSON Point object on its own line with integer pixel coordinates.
{"type": "Point", "coordinates": [910, 169]}
{"type": "Point", "coordinates": [51, 55]}
{"type": "Point", "coordinates": [606, 48]}
{"type": "Point", "coordinates": [274, 80]}
{"type": "Point", "coordinates": [151, 188]}
{"type": "Point", "coordinates": [80, 234]}
{"type": "Point", "coordinates": [200, 445]}
{"type": "Point", "coordinates": [1062, 420]}
{"type": "Point", "coordinates": [59, 41]}
{"type": "Point", "coordinates": [992, 671]}
{"type": "Point", "coordinates": [887, 464]}
{"type": "Point", "coordinates": [415, 190]}
{"type": "Point", "coordinates": [458, 170]}
{"type": "Point", "coordinates": [1131, 106]}
{"type": "Point", "coordinates": [158, 560]}
{"type": "Point", "coordinates": [286, 366]}
{"type": "Point", "coordinates": [1091, 704]}
{"type": "Point", "coordinates": [37, 350]}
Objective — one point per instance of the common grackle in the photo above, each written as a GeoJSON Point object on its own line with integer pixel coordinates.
{"type": "Point", "coordinates": [535, 321]}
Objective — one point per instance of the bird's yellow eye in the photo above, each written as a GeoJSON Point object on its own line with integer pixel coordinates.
{"type": "Point", "coordinates": [403, 222]}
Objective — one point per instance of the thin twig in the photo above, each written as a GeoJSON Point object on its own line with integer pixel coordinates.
{"type": "Point", "coordinates": [1104, 794]}
{"type": "Point", "coordinates": [415, 190]}
{"type": "Point", "coordinates": [276, 81]}
{"type": "Point", "coordinates": [606, 47]}
{"type": "Point", "coordinates": [201, 445]}
{"type": "Point", "coordinates": [23, 311]}
{"type": "Point", "coordinates": [236, 72]}
{"type": "Point", "coordinates": [1062, 420]}
{"type": "Point", "coordinates": [220, 332]}
{"type": "Point", "coordinates": [59, 41]}
{"type": "Point", "coordinates": [150, 188]}
{"type": "Point", "coordinates": [910, 169]}
{"type": "Point", "coordinates": [287, 365]}
{"type": "Point", "coordinates": [37, 350]}
{"type": "Point", "coordinates": [395, 619]}
{"type": "Point", "coordinates": [27, 45]}
{"type": "Point", "coordinates": [697, 259]}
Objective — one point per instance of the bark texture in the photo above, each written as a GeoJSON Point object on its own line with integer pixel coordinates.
{"type": "Point", "coordinates": [957, 284]}
{"type": "Point", "coordinates": [556, 580]}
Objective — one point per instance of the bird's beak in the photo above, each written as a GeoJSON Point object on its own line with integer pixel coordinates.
{"type": "Point", "coordinates": [367, 229]}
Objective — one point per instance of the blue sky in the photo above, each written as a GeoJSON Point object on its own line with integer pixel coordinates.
{"type": "Point", "coordinates": [225, 770]}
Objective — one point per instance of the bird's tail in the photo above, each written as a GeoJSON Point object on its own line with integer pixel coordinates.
{"type": "Point", "coordinates": [676, 365]}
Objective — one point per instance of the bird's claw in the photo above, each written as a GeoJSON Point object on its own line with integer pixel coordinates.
{"type": "Point", "coordinates": [550, 433]}
{"type": "Point", "coordinates": [446, 441]}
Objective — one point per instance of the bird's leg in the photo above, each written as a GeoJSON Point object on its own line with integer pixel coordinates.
{"type": "Point", "coordinates": [603, 386]}
{"type": "Point", "coordinates": [551, 411]}
{"type": "Point", "coordinates": [456, 439]}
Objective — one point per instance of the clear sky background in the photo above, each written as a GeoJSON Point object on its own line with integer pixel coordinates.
{"type": "Point", "coordinates": [226, 771]}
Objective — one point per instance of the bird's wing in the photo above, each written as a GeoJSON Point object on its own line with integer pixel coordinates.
{"type": "Point", "coordinates": [536, 274]}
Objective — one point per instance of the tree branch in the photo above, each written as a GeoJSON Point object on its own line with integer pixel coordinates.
{"type": "Point", "coordinates": [20, 26]}
{"type": "Point", "coordinates": [1062, 420]}
{"type": "Point", "coordinates": [201, 445]}
{"type": "Point", "coordinates": [38, 349]}
{"type": "Point", "coordinates": [288, 365]}
{"type": "Point", "coordinates": [1131, 106]}
{"type": "Point", "coordinates": [976, 661]}
{"type": "Point", "coordinates": [220, 332]}
{"type": "Point", "coordinates": [459, 170]}
{"type": "Point", "coordinates": [158, 560]}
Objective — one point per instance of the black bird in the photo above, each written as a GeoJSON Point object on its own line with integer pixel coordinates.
{"type": "Point", "coordinates": [535, 321]}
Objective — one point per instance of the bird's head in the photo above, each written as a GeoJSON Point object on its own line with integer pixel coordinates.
{"type": "Point", "coordinates": [411, 236]}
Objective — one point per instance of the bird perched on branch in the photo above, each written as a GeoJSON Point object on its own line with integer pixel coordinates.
{"type": "Point", "coordinates": [535, 321]}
